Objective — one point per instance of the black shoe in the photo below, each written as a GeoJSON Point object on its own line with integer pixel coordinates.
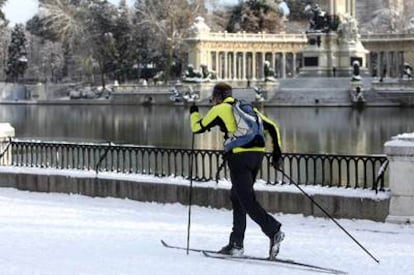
{"type": "Point", "coordinates": [232, 249]}
{"type": "Point", "coordinates": [275, 244]}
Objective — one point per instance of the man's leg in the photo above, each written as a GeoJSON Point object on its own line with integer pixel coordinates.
{"type": "Point", "coordinates": [239, 219]}
{"type": "Point", "coordinates": [243, 169]}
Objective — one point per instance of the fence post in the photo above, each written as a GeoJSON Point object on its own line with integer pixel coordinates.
{"type": "Point", "coordinates": [400, 152]}
{"type": "Point", "coordinates": [6, 132]}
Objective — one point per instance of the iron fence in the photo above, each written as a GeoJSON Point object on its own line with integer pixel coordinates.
{"type": "Point", "coordinates": [350, 171]}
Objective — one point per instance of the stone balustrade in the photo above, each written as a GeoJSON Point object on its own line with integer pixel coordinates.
{"type": "Point", "coordinates": [251, 37]}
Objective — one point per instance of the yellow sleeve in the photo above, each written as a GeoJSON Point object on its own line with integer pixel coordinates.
{"type": "Point", "coordinates": [271, 128]}
{"type": "Point", "coordinates": [219, 115]}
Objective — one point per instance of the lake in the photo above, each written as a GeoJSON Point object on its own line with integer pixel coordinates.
{"type": "Point", "coordinates": [338, 130]}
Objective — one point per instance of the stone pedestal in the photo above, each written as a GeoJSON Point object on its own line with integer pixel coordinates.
{"type": "Point", "coordinates": [6, 131]}
{"type": "Point", "coordinates": [319, 56]}
{"type": "Point", "coordinates": [400, 152]}
{"type": "Point", "coordinates": [328, 55]}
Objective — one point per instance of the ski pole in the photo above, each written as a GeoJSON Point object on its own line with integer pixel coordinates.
{"type": "Point", "coordinates": [190, 194]}
{"type": "Point", "coordinates": [5, 149]}
{"type": "Point", "coordinates": [102, 157]}
{"type": "Point", "coordinates": [327, 214]}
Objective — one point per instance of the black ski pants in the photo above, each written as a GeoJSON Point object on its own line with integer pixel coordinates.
{"type": "Point", "coordinates": [243, 171]}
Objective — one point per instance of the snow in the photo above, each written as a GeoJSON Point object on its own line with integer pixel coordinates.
{"type": "Point", "coordinates": [44, 233]}
{"type": "Point", "coordinates": [408, 137]}
{"type": "Point", "coordinates": [401, 140]}
{"type": "Point", "coordinates": [6, 130]}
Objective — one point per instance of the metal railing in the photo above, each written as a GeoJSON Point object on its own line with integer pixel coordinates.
{"type": "Point", "coordinates": [349, 171]}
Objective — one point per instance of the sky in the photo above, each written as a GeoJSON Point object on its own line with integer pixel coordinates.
{"type": "Point", "coordinates": [44, 233]}
{"type": "Point", "coordinates": [19, 11]}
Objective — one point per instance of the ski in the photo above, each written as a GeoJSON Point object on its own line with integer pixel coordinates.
{"type": "Point", "coordinates": [316, 268]}
{"type": "Point", "coordinates": [214, 254]}
{"type": "Point", "coordinates": [183, 248]}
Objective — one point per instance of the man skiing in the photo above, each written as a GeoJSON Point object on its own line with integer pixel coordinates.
{"type": "Point", "coordinates": [244, 161]}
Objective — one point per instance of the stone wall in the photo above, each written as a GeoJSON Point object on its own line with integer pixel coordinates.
{"type": "Point", "coordinates": [273, 201]}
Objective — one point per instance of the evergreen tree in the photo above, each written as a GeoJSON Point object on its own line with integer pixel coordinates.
{"type": "Point", "coordinates": [101, 30]}
{"type": "Point", "coordinates": [68, 62]}
{"type": "Point", "coordinates": [124, 43]}
{"type": "Point", "coordinates": [17, 55]}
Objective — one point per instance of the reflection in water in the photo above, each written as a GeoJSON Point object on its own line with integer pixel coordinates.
{"type": "Point", "coordinates": [303, 130]}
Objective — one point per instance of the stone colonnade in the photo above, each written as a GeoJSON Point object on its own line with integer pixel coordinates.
{"type": "Point", "coordinates": [388, 53]}
{"type": "Point", "coordinates": [249, 65]}
{"type": "Point", "coordinates": [286, 62]}
{"type": "Point", "coordinates": [386, 63]}
{"type": "Point", "coordinates": [241, 56]}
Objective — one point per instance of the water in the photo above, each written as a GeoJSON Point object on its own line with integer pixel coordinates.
{"type": "Point", "coordinates": [303, 130]}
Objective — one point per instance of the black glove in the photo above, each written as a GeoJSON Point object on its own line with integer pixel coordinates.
{"type": "Point", "coordinates": [193, 108]}
{"type": "Point", "coordinates": [277, 158]}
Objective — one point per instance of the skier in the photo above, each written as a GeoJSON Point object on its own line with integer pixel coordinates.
{"type": "Point", "coordinates": [244, 162]}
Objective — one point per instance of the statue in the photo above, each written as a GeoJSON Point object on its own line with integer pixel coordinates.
{"type": "Point", "coordinates": [283, 9]}
{"type": "Point", "coordinates": [191, 73]}
{"type": "Point", "coordinates": [199, 26]}
{"type": "Point", "coordinates": [358, 95]}
{"type": "Point", "coordinates": [318, 19]}
{"type": "Point", "coordinates": [348, 30]}
{"type": "Point", "coordinates": [410, 28]}
{"type": "Point", "coordinates": [407, 71]}
{"type": "Point", "coordinates": [269, 73]}
{"type": "Point", "coordinates": [177, 96]}
{"type": "Point", "coordinates": [195, 76]}
{"type": "Point", "coordinates": [258, 94]}
{"type": "Point", "coordinates": [158, 78]}
{"type": "Point", "coordinates": [206, 74]}
{"type": "Point", "coordinates": [355, 72]}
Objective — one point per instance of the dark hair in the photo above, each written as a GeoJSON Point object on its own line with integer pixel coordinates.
{"type": "Point", "coordinates": [222, 90]}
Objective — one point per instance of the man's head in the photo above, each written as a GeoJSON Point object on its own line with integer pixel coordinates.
{"type": "Point", "coordinates": [221, 91]}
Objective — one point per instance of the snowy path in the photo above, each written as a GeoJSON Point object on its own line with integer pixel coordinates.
{"type": "Point", "coordinates": [62, 234]}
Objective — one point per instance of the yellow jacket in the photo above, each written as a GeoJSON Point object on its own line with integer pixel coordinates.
{"type": "Point", "coordinates": [222, 115]}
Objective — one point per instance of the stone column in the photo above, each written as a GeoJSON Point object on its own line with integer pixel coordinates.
{"type": "Point", "coordinates": [369, 65]}
{"type": "Point", "coordinates": [400, 153]}
{"type": "Point", "coordinates": [388, 65]}
{"type": "Point", "coordinates": [293, 64]}
{"type": "Point", "coordinates": [6, 131]}
{"type": "Point", "coordinates": [254, 65]}
{"type": "Point", "coordinates": [243, 66]}
{"type": "Point", "coordinates": [224, 65]}
{"type": "Point", "coordinates": [379, 64]}
{"type": "Point", "coordinates": [219, 65]}
{"type": "Point", "coordinates": [234, 65]}
{"type": "Point", "coordinates": [283, 65]}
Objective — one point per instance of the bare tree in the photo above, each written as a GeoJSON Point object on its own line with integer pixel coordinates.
{"type": "Point", "coordinates": [252, 16]}
{"type": "Point", "coordinates": [169, 21]}
{"type": "Point", "coordinates": [90, 28]}
{"type": "Point", "coordinates": [63, 18]}
{"type": "Point", "coordinates": [2, 2]}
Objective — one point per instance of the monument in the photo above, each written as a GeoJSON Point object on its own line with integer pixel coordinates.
{"type": "Point", "coordinates": [333, 40]}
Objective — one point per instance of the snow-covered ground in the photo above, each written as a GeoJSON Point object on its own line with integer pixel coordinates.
{"type": "Point", "coordinates": [72, 234]}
